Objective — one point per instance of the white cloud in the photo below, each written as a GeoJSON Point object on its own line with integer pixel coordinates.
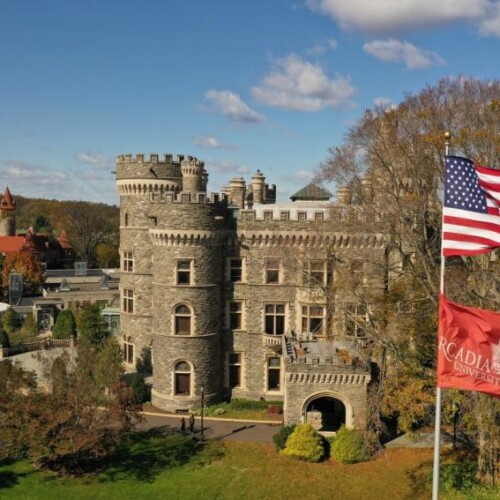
{"type": "Point", "coordinates": [297, 84]}
{"type": "Point", "coordinates": [97, 160]}
{"type": "Point", "coordinates": [384, 102]}
{"type": "Point", "coordinates": [207, 142]}
{"type": "Point", "coordinates": [389, 16]}
{"type": "Point", "coordinates": [230, 104]}
{"type": "Point", "coordinates": [490, 25]}
{"type": "Point", "coordinates": [303, 176]}
{"type": "Point", "coordinates": [226, 166]}
{"type": "Point", "coordinates": [392, 50]}
{"type": "Point", "coordinates": [321, 48]}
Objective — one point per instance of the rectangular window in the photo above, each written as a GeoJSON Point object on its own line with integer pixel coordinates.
{"type": "Point", "coordinates": [302, 216]}
{"type": "Point", "coordinates": [313, 319]}
{"type": "Point", "coordinates": [234, 371]}
{"type": "Point", "coordinates": [236, 270]}
{"type": "Point", "coordinates": [235, 315]}
{"type": "Point", "coordinates": [355, 320]}
{"type": "Point", "coordinates": [274, 319]}
{"type": "Point", "coordinates": [319, 216]}
{"type": "Point", "coordinates": [128, 350]}
{"type": "Point", "coordinates": [128, 262]}
{"type": "Point", "coordinates": [273, 374]}
{"type": "Point", "coordinates": [268, 215]}
{"type": "Point", "coordinates": [184, 272]}
{"type": "Point", "coordinates": [127, 300]}
{"type": "Point", "coordinates": [273, 267]}
{"type": "Point", "coordinates": [285, 215]}
{"type": "Point", "coordinates": [316, 272]}
{"type": "Point", "coordinates": [182, 384]}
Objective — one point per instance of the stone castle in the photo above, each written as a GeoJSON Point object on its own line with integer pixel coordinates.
{"type": "Point", "coordinates": [239, 296]}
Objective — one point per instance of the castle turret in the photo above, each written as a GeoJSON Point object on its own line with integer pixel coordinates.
{"type": "Point", "coordinates": [258, 187]}
{"type": "Point", "coordinates": [7, 214]}
{"type": "Point", "coordinates": [193, 175]}
{"type": "Point", "coordinates": [344, 195]}
{"type": "Point", "coordinates": [171, 239]}
{"type": "Point", "coordinates": [238, 188]}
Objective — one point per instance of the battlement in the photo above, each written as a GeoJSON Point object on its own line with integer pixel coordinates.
{"type": "Point", "coordinates": [189, 198]}
{"type": "Point", "coordinates": [167, 159]}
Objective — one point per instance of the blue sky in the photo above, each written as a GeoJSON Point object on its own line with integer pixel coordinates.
{"type": "Point", "coordinates": [266, 84]}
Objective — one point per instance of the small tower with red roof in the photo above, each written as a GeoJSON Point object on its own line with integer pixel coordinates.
{"type": "Point", "coordinates": [7, 214]}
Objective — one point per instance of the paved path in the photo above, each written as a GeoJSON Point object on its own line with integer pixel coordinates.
{"type": "Point", "coordinates": [215, 428]}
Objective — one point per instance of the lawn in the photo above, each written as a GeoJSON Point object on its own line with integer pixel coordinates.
{"type": "Point", "coordinates": [174, 467]}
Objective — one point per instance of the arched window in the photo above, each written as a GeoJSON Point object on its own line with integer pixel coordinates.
{"type": "Point", "coordinates": [182, 320]}
{"type": "Point", "coordinates": [182, 379]}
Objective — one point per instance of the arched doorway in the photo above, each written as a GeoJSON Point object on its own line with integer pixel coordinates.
{"type": "Point", "coordinates": [326, 413]}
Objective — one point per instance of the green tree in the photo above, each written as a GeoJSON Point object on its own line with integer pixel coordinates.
{"type": "Point", "coordinates": [10, 320]}
{"type": "Point", "coordinates": [65, 326]}
{"type": "Point", "coordinates": [4, 339]}
{"type": "Point", "coordinates": [91, 324]}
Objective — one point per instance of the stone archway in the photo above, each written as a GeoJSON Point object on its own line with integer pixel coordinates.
{"type": "Point", "coordinates": [327, 411]}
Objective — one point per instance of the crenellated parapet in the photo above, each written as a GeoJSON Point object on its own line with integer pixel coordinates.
{"type": "Point", "coordinates": [179, 198]}
{"type": "Point", "coordinates": [167, 159]}
{"type": "Point", "coordinates": [312, 240]}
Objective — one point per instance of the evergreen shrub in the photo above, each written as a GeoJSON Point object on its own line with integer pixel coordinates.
{"type": "Point", "coordinates": [282, 435]}
{"type": "Point", "coordinates": [349, 446]}
{"type": "Point", "coordinates": [304, 443]}
{"type": "Point", "coordinates": [65, 325]}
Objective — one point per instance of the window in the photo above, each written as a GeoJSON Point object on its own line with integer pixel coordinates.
{"type": "Point", "coordinates": [355, 320]}
{"type": "Point", "coordinates": [302, 216]}
{"type": "Point", "coordinates": [285, 215]}
{"type": "Point", "coordinates": [234, 369]}
{"type": "Point", "coordinates": [127, 300]}
{"type": "Point", "coordinates": [273, 374]}
{"type": "Point", "coordinates": [184, 272]}
{"type": "Point", "coordinates": [268, 215]}
{"type": "Point", "coordinates": [319, 216]}
{"type": "Point", "coordinates": [128, 350]}
{"type": "Point", "coordinates": [128, 262]}
{"type": "Point", "coordinates": [273, 271]}
{"type": "Point", "coordinates": [316, 272]}
{"type": "Point", "coordinates": [236, 269]}
{"type": "Point", "coordinates": [182, 379]}
{"type": "Point", "coordinates": [274, 319]}
{"type": "Point", "coordinates": [313, 319]}
{"type": "Point", "coordinates": [126, 218]}
{"type": "Point", "coordinates": [182, 320]}
{"type": "Point", "coordinates": [235, 316]}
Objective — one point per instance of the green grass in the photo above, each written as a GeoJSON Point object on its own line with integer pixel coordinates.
{"type": "Point", "coordinates": [175, 467]}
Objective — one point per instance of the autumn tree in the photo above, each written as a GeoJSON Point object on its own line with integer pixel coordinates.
{"type": "Point", "coordinates": [81, 418]}
{"type": "Point", "coordinates": [87, 229]}
{"type": "Point", "coordinates": [28, 266]}
{"type": "Point", "coordinates": [398, 154]}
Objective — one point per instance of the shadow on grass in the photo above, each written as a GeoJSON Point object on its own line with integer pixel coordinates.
{"type": "Point", "coordinates": [10, 478]}
{"type": "Point", "coordinates": [148, 454]}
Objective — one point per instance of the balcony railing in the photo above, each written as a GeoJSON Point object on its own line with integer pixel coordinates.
{"type": "Point", "coordinates": [273, 340]}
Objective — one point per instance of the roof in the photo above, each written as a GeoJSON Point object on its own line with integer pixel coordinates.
{"type": "Point", "coordinates": [10, 244]}
{"type": "Point", "coordinates": [64, 241]}
{"type": "Point", "coordinates": [312, 192]}
{"type": "Point", "coordinates": [7, 202]}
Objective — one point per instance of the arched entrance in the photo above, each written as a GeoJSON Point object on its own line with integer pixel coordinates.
{"type": "Point", "coordinates": [327, 412]}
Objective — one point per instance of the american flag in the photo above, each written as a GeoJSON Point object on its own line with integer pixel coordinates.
{"type": "Point", "coordinates": [471, 215]}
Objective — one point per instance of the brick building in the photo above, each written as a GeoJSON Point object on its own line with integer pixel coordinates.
{"type": "Point", "coordinates": [244, 297]}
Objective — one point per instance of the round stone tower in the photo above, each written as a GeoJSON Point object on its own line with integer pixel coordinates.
{"type": "Point", "coordinates": [138, 178]}
{"type": "Point", "coordinates": [7, 214]}
{"type": "Point", "coordinates": [178, 236]}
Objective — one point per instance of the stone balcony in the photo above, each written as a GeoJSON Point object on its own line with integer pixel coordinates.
{"type": "Point", "coordinates": [273, 341]}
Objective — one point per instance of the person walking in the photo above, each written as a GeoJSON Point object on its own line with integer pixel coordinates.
{"type": "Point", "coordinates": [191, 423]}
{"type": "Point", "coordinates": [182, 426]}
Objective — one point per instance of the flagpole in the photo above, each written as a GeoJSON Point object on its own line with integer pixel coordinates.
{"type": "Point", "coordinates": [437, 423]}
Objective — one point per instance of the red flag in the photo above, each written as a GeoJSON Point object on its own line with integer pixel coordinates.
{"type": "Point", "coordinates": [468, 348]}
